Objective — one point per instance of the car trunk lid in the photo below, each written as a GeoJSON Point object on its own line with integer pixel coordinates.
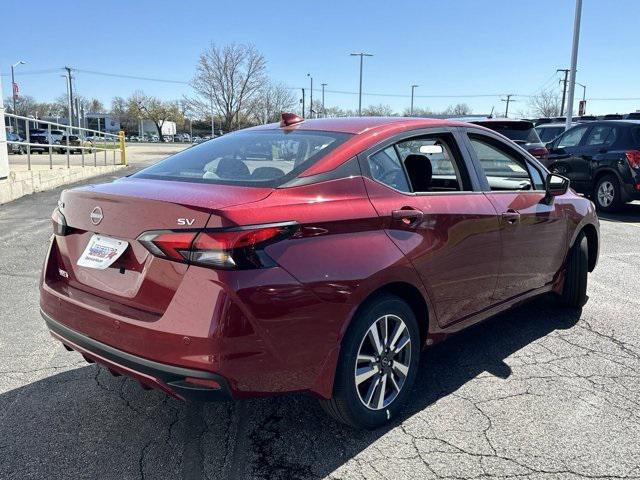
{"type": "Point", "coordinates": [125, 209]}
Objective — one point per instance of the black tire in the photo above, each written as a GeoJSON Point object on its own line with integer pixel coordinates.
{"type": "Point", "coordinates": [607, 195]}
{"type": "Point", "coordinates": [347, 405]}
{"type": "Point", "coordinates": [574, 292]}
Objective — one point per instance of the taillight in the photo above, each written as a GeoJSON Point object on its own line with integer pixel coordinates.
{"type": "Point", "coordinates": [540, 153]}
{"type": "Point", "coordinates": [633, 158]}
{"type": "Point", "coordinates": [239, 248]}
{"type": "Point", "coordinates": [59, 223]}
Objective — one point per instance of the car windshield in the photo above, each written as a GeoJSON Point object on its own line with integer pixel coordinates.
{"type": "Point", "coordinates": [259, 158]}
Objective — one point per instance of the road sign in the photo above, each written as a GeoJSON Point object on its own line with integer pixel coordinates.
{"type": "Point", "coordinates": [582, 107]}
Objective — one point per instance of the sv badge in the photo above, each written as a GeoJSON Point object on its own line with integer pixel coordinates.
{"type": "Point", "coordinates": [186, 221]}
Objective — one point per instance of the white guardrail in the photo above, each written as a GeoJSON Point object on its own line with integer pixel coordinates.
{"type": "Point", "coordinates": [88, 142]}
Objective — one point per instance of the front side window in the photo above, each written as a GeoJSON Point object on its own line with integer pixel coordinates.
{"type": "Point", "coordinates": [431, 164]}
{"type": "Point", "coordinates": [420, 165]}
{"type": "Point", "coordinates": [601, 136]}
{"type": "Point", "coordinates": [504, 169]}
{"type": "Point", "coordinates": [258, 158]}
{"type": "Point", "coordinates": [572, 137]}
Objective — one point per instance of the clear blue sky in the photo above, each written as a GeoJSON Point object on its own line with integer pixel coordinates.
{"type": "Point", "coordinates": [463, 47]}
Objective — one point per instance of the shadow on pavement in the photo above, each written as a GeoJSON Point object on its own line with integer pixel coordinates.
{"type": "Point", "coordinates": [84, 423]}
{"type": "Point", "coordinates": [630, 213]}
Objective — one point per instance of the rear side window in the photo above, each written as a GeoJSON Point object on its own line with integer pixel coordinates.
{"type": "Point", "coordinates": [504, 170]}
{"type": "Point", "coordinates": [386, 167]}
{"type": "Point", "coordinates": [602, 135]}
{"type": "Point", "coordinates": [259, 158]}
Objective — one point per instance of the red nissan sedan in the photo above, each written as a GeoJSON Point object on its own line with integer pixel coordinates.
{"type": "Point", "coordinates": [312, 255]}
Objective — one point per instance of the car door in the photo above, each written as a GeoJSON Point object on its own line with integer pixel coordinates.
{"type": "Point", "coordinates": [594, 152]}
{"type": "Point", "coordinates": [433, 210]}
{"type": "Point", "coordinates": [532, 230]}
{"type": "Point", "coordinates": [565, 156]}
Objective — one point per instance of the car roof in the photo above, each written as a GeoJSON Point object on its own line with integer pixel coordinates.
{"type": "Point", "coordinates": [504, 121]}
{"type": "Point", "coordinates": [360, 125]}
{"type": "Point", "coordinates": [556, 124]}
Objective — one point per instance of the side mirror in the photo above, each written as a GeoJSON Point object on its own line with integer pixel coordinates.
{"type": "Point", "coordinates": [556, 185]}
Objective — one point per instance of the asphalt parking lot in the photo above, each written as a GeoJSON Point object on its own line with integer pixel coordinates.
{"type": "Point", "coordinates": [536, 393]}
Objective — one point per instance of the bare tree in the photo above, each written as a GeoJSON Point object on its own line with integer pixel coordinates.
{"type": "Point", "coordinates": [458, 109]}
{"type": "Point", "coordinates": [154, 109]}
{"type": "Point", "coordinates": [227, 79]}
{"type": "Point", "coordinates": [418, 112]}
{"type": "Point", "coordinates": [269, 102]}
{"type": "Point", "coordinates": [380, 110]}
{"type": "Point", "coordinates": [545, 104]}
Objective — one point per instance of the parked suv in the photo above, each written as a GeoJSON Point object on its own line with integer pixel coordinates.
{"type": "Point", "coordinates": [521, 132]}
{"type": "Point", "coordinates": [325, 265]}
{"type": "Point", "coordinates": [45, 137]}
{"type": "Point", "coordinates": [602, 160]}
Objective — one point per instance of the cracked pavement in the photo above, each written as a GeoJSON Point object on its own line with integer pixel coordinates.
{"type": "Point", "coordinates": [536, 393]}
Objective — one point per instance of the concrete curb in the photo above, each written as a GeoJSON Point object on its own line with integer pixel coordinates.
{"type": "Point", "coordinates": [20, 183]}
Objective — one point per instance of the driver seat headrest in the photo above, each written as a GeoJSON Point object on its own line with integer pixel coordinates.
{"type": "Point", "coordinates": [420, 171]}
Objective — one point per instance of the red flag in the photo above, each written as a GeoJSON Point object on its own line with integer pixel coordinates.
{"type": "Point", "coordinates": [16, 90]}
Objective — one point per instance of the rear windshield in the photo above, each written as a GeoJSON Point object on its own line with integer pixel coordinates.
{"type": "Point", "coordinates": [254, 157]}
{"type": "Point", "coordinates": [519, 132]}
{"type": "Point", "coordinates": [549, 133]}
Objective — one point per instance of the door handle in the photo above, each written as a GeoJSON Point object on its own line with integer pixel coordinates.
{"type": "Point", "coordinates": [407, 215]}
{"type": "Point", "coordinates": [511, 217]}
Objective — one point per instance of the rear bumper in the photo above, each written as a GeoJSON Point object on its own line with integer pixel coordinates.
{"type": "Point", "coordinates": [168, 378]}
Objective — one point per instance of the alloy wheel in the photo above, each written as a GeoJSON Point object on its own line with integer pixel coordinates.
{"type": "Point", "coordinates": [606, 193]}
{"type": "Point", "coordinates": [383, 360]}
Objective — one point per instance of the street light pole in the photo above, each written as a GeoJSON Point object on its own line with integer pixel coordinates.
{"type": "Point", "coordinates": [13, 89]}
{"type": "Point", "coordinates": [310, 96]}
{"type": "Point", "coordinates": [324, 112]}
{"type": "Point", "coordinates": [574, 62]}
{"type": "Point", "coordinates": [584, 91]}
{"type": "Point", "coordinates": [413, 87]}
{"type": "Point", "coordinates": [584, 95]}
{"type": "Point", "coordinates": [361, 55]}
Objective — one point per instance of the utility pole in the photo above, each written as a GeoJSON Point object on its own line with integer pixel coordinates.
{"type": "Point", "coordinates": [413, 87]}
{"type": "Point", "coordinates": [70, 95]}
{"type": "Point", "coordinates": [303, 103]}
{"type": "Point", "coordinates": [324, 112]}
{"type": "Point", "coordinates": [508, 100]}
{"type": "Point", "coordinates": [574, 62]}
{"type": "Point", "coordinates": [310, 96]}
{"type": "Point", "coordinates": [361, 55]}
{"type": "Point", "coordinates": [564, 88]}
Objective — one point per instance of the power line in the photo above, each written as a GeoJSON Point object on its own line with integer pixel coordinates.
{"type": "Point", "coordinates": [35, 72]}
{"type": "Point", "coordinates": [131, 77]}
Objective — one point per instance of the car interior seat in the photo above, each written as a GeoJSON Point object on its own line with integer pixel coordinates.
{"type": "Point", "coordinates": [420, 171]}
